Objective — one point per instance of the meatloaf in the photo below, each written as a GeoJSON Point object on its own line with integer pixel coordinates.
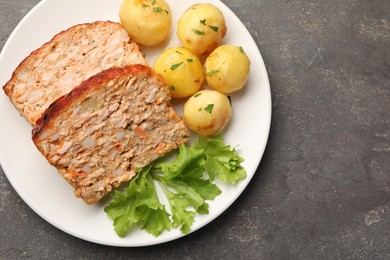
{"type": "Point", "coordinates": [104, 129]}
{"type": "Point", "coordinates": [65, 61]}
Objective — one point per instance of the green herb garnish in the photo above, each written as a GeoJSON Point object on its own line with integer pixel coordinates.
{"type": "Point", "coordinates": [241, 49]}
{"type": "Point", "coordinates": [157, 9]}
{"type": "Point", "coordinates": [209, 108]}
{"type": "Point", "coordinates": [190, 60]}
{"type": "Point", "coordinates": [214, 28]}
{"type": "Point", "coordinates": [187, 183]}
{"type": "Point", "coordinates": [175, 66]}
{"type": "Point", "coordinates": [197, 32]}
{"type": "Point", "coordinates": [138, 204]}
{"type": "Point", "coordinates": [213, 72]}
{"type": "Point", "coordinates": [203, 22]}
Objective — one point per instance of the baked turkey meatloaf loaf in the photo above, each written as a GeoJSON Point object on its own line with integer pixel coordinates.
{"type": "Point", "coordinates": [103, 130]}
{"type": "Point", "coordinates": [65, 61]}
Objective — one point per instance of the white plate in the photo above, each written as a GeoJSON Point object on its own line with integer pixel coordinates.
{"type": "Point", "coordinates": [47, 193]}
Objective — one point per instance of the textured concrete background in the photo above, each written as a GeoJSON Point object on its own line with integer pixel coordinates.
{"type": "Point", "coordinates": [322, 190]}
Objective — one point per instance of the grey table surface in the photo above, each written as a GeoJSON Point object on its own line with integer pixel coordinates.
{"type": "Point", "coordinates": [322, 189]}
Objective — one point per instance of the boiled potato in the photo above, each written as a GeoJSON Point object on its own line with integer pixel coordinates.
{"type": "Point", "coordinates": [148, 22]}
{"type": "Point", "coordinates": [207, 112]}
{"type": "Point", "coordinates": [182, 71]}
{"type": "Point", "coordinates": [201, 28]}
{"type": "Point", "coordinates": [227, 68]}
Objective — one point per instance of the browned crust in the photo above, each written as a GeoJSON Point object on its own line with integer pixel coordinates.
{"type": "Point", "coordinates": [7, 87]}
{"type": "Point", "coordinates": [95, 81]}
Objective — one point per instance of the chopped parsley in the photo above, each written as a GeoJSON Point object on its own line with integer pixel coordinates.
{"type": "Point", "coordinates": [209, 108]}
{"type": "Point", "coordinates": [241, 49]}
{"type": "Point", "coordinates": [179, 52]}
{"type": "Point", "coordinates": [175, 66]}
{"type": "Point", "coordinates": [172, 87]}
{"type": "Point", "coordinates": [214, 28]}
{"type": "Point", "coordinates": [190, 60]}
{"type": "Point", "coordinates": [157, 9]}
{"type": "Point", "coordinates": [197, 32]}
{"type": "Point", "coordinates": [197, 95]}
{"type": "Point", "coordinates": [213, 72]}
{"type": "Point", "coordinates": [203, 21]}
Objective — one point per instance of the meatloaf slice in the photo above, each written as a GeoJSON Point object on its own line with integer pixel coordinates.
{"type": "Point", "coordinates": [103, 130]}
{"type": "Point", "coordinates": [65, 61]}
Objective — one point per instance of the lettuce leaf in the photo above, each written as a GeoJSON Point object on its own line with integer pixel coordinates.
{"type": "Point", "coordinates": [187, 183]}
{"type": "Point", "coordinates": [222, 161]}
{"type": "Point", "coordinates": [138, 204]}
{"type": "Point", "coordinates": [186, 187]}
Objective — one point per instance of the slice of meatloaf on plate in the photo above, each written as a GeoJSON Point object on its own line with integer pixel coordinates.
{"type": "Point", "coordinates": [65, 61]}
{"type": "Point", "coordinates": [103, 130]}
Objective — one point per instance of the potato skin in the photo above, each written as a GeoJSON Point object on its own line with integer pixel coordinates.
{"type": "Point", "coordinates": [182, 71]}
{"type": "Point", "coordinates": [201, 28]}
{"type": "Point", "coordinates": [146, 22]}
{"type": "Point", "coordinates": [207, 112]}
{"type": "Point", "coordinates": [227, 68]}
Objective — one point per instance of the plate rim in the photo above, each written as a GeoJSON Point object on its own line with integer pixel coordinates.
{"type": "Point", "coordinates": [239, 192]}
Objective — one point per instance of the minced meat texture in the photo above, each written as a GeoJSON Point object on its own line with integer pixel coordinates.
{"type": "Point", "coordinates": [103, 130]}
{"type": "Point", "coordinates": [65, 61]}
